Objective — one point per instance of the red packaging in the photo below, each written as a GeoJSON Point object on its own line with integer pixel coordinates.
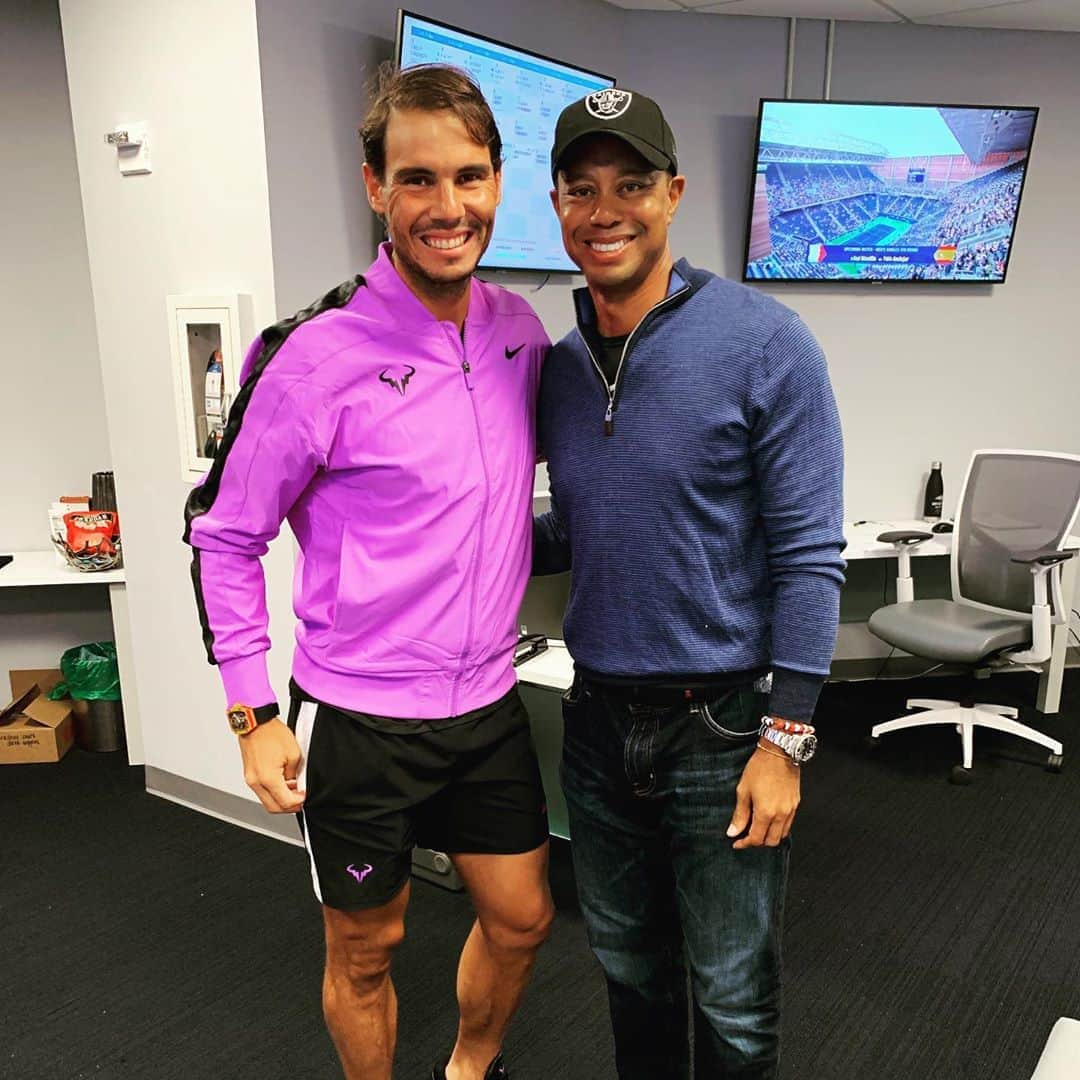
{"type": "Point", "coordinates": [93, 540]}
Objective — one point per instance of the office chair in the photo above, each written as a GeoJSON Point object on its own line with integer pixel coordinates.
{"type": "Point", "coordinates": [1017, 511]}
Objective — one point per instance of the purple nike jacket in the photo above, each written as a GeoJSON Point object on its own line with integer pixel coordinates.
{"type": "Point", "coordinates": [402, 457]}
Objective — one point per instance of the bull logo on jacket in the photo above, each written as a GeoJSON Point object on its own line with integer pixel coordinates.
{"type": "Point", "coordinates": [398, 384]}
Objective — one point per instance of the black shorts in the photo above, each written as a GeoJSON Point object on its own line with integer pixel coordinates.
{"type": "Point", "coordinates": [378, 787]}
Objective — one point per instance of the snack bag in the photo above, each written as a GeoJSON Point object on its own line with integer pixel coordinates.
{"type": "Point", "coordinates": [93, 540]}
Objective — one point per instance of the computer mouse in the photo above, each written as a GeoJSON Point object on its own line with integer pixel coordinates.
{"type": "Point", "coordinates": [941, 527]}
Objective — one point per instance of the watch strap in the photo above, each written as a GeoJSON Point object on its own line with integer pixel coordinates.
{"type": "Point", "coordinates": [265, 713]}
{"type": "Point", "coordinates": [798, 747]}
{"type": "Point", "coordinates": [243, 719]}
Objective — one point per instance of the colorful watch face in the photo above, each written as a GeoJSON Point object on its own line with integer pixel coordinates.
{"type": "Point", "coordinates": [241, 719]}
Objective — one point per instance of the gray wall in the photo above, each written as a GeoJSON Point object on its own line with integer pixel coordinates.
{"type": "Point", "coordinates": [937, 374]}
{"type": "Point", "coordinates": [53, 435]}
{"type": "Point", "coordinates": [919, 373]}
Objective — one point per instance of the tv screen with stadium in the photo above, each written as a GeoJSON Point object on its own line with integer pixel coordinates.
{"type": "Point", "coordinates": [526, 92]}
{"type": "Point", "coordinates": [855, 192]}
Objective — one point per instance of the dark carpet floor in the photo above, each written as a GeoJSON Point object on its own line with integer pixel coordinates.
{"type": "Point", "coordinates": [932, 931]}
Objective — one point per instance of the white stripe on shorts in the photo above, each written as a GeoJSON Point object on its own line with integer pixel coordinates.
{"type": "Point", "coordinates": [305, 724]}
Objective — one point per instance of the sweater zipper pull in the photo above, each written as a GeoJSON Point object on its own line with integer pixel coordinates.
{"type": "Point", "coordinates": [609, 425]}
{"type": "Point", "coordinates": [465, 370]}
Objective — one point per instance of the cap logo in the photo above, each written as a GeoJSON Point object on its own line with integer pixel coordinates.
{"type": "Point", "coordinates": [608, 104]}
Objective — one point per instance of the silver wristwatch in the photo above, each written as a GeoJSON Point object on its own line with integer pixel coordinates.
{"type": "Point", "coordinates": [799, 747]}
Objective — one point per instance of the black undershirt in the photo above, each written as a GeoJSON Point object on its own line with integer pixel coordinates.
{"type": "Point", "coordinates": [611, 350]}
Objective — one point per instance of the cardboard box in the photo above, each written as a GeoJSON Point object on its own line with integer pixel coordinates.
{"type": "Point", "coordinates": [33, 728]}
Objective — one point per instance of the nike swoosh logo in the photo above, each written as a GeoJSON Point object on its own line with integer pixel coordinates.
{"type": "Point", "coordinates": [511, 353]}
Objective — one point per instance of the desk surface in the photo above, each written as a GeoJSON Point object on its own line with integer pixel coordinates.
{"type": "Point", "coordinates": [863, 543]}
{"type": "Point", "coordinates": [552, 668]}
{"type": "Point", "coordinates": [45, 568]}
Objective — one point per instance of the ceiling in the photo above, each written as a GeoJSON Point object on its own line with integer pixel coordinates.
{"type": "Point", "coordinates": [984, 14]}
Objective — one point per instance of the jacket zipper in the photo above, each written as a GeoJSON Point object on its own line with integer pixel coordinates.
{"type": "Point", "coordinates": [613, 388]}
{"type": "Point", "coordinates": [466, 370]}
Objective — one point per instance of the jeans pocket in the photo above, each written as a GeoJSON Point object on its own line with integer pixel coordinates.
{"type": "Point", "coordinates": [727, 717]}
{"type": "Point", "coordinates": [573, 702]}
{"type": "Point", "coordinates": [574, 694]}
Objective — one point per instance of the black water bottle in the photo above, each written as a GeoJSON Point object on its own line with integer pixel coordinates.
{"type": "Point", "coordinates": [935, 491]}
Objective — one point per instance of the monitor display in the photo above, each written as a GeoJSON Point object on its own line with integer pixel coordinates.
{"type": "Point", "coordinates": [526, 93]}
{"type": "Point", "coordinates": [854, 192]}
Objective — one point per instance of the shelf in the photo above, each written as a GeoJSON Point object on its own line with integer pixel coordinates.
{"type": "Point", "coordinates": [44, 568]}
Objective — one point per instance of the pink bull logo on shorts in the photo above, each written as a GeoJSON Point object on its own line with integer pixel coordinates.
{"type": "Point", "coordinates": [361, 873]}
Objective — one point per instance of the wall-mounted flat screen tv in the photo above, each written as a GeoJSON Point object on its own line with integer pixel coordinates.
{"type": "Point", "coordinates": [857, 192]}
{"type": "Point", "coordinates": [526, 92]}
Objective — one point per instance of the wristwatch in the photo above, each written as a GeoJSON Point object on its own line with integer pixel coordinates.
{"type": "Point", "coordinates": [244, 719]}
{"type": "Point", "coordinates": [798, 741]}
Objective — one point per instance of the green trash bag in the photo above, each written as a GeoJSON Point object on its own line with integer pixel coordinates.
{"type": "Point", "coordinates": [91, 673]}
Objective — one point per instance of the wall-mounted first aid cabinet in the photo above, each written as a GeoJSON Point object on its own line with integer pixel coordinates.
{"type": "Point", "coordinates": [207, 337]}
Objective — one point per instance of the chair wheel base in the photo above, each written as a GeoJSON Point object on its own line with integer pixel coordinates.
{"type": "Point", "coordinates": [1055, 763]}
{"type": "Point", "coordinates": [871, 743]}
{"type": "Point", "coordinates": [961, 776]}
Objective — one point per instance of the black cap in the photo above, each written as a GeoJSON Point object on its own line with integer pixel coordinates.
{"type": "Point", "coordinates": [634, 118]}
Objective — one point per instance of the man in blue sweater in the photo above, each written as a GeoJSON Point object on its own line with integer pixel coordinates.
{"type": "Point", "coordinates": [695, 458]}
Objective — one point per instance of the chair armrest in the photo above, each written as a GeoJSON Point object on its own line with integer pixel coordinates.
{"type": "Point", "coordinates": [1045, 557]}
{"type": "Point", "coordinates": [906, 537]}
{"type": "Point", "coordinates": [1043, 564]}
{"type": "Point", "coordinates": [903, 540]}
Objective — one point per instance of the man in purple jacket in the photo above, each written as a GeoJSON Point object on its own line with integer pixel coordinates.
{"type": "Point", "coordinates": [391, 424]}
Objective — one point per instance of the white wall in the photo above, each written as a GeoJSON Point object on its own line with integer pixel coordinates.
{"type": "Point", "coordinates": [198, 224]}
{"type": "Point", "coordinates": [53, 435]}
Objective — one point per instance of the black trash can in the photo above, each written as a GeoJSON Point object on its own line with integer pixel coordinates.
{"type": "Point", "coordinates": [92, 678]}
{"type": "Point", "coordinates": [100, 726]}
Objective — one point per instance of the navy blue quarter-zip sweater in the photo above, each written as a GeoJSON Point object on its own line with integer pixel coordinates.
{"type": "Point", "coordinates": [699, 499]}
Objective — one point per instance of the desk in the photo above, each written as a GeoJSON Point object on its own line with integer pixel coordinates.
{"type": "Point", "coordinates": [862, 539]}
{"type": "Point", "coordinates": [542, 682]}
{"type": "Point", "coordinates": [39, 569]}
{"type": "Point", "coordinates": [553, 669]}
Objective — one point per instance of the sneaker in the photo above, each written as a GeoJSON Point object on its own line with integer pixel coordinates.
{"type": "Point", "coordinates": [495, 1071]}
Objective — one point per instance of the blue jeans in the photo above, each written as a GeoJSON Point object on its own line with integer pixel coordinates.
{"type": "Point", "coordinates": [650, 793]}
